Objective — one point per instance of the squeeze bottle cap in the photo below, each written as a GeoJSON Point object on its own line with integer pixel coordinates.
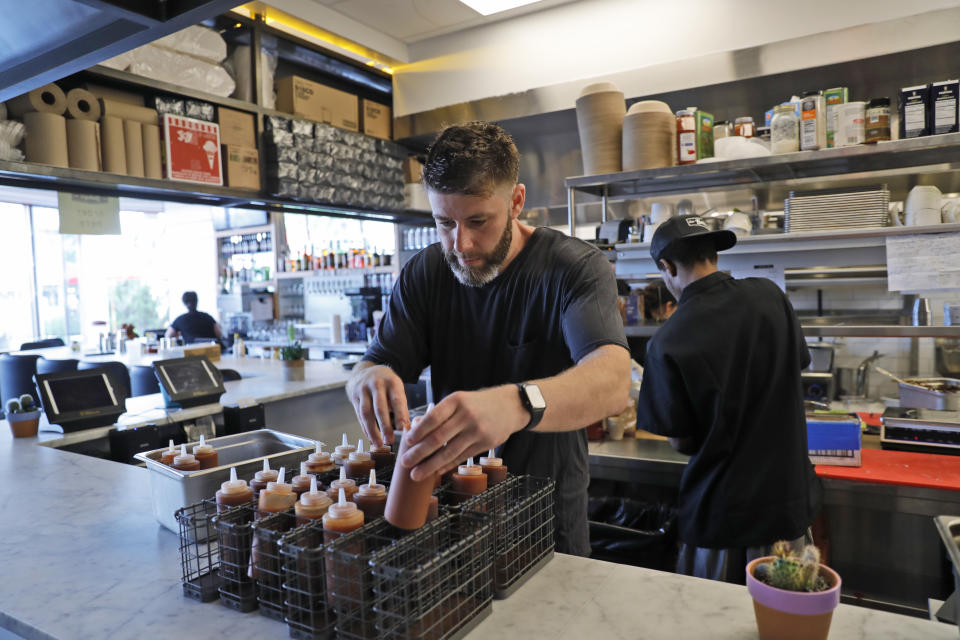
{"type": "Point", "coordinates": [359, 454]}
{"type": "Point", "coordinates": [283, 470]}
{"type": "Point", "coordinates": [171, 447]}
{"type": "Point", "coordinates": [303, 469]}
{"type": "Point", "coordinates": [344, 481]}
{"type": "Point", "coordinates": [266, 473]}
{"type": "Point", "coordinates": [184, 457]}
{"type": "Point", "coordinates": [491, 460]}
{"type": "Point", "coordinates": [203, 447]}
{"type": "Point", "coordinates": [233, 485]}
{"type": "Point", "coordinates": [469, 469]}
{"type": "Point", "coordinates": [342, 508]}
{"type": "Point", "coordinates": [319, 455]}
{"type": "Point", "coordinates": [279, 486]}
{"type": "Point", "coordinates": [344, 443]}
{"type": "Point", "coordinates": [372, 488]}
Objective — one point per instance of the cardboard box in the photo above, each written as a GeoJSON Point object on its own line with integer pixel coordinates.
{"type": "Point", "coordinates": [412, 170]}
{"type": "Point", "coordinates": [242, 167]}
{"type": "Point", "coordinates": [833, 98]}
{"type": "Point", "coordinates": [834, 439]}
{"type": "Point", "coordinates": [306, 99]}
{"type": "Point", "coordinates": [704, 135]}
{"type": "Point", "coordinates": [376, 119]}
{"type": "Point", "coordinates": [237, 128]}
{"type": "Point", "coordinates": [192, 150]}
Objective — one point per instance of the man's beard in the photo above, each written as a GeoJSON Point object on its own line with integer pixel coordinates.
{"type": "Point", "coordinates": [490, 269]}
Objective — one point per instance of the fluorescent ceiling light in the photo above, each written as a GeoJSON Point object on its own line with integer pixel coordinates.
{"type": "Point", "coordinates": [488, 7]}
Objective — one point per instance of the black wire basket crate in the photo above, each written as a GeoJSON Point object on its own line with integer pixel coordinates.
{"type": "Point", "coordinates": [199, 551]}
{"type": "Point", "coordinates": [523, 528]}
{"type": "Point", "coordinates": [238, 589]}
{"type": "Point", "coordinates": [268, 563]}
{"type": "Point", "coordinates": [437, 582]}
{"type": "Point", "coordinates": [303, 553]}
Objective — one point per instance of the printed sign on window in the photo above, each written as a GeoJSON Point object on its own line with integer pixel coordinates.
{"type": "Point", "coordinates": [193, 150]}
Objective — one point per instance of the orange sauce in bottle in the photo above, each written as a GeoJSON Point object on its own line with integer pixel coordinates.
{"type": "Point", "coordinates": [371, 498]}
{"type": "Point", "coordinates": [312, 504]}
{"type": "Point", "coordinates": [359, 464]}
{"type": "Point", "coordinates": [185, 461]}
{"type": "Point", "coordinates": [277, 497]}
{"type": "Point", "coordinates": [342, 452]}
{"type": "Point", "coordinates": [167, 456]}
{"type": "Point", "coordinates": [341, 517]}
{"type": "Point", "coordinates": [494, 468]}
{"type": "Point", "coordinates": [320, 461]}
{"type": "Point", "coordinates": [301, 483]}
{"type": "Point", "coordinates": [408, 500]}
{"type": "Point", "coordinates": [206, 454]}
{"type": "Point", "coordinates": [382, 455]}
{"type": "Point", "coordinates": [469, 480]}
{"type": "Point", "coordinates": [262, 477]}
{"type": "Point", "coordinates": [345, 483]}
{"type": "Point", "coordinates": [233, 492]}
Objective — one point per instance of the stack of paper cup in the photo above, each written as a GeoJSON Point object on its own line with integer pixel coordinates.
{"type": "Point", "coordinates": [600, 111]}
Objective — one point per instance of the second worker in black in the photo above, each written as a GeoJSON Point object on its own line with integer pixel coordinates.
{"type": "Point", "coordinates": [519, 327]}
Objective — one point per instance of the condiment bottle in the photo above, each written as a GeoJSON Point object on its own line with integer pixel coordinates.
{"type": "Point", "coordinates": [301, 483]}
{"type": "Point", "coordinates": [186, 461]}
{"type": "Point", "coordinates": [371, 498]}
{"type": "Point", "coordinates": [877, 125]}
{"type": "Point", "coordinates": [744, 127]}
{"type": "Point", "coordinates": [359, 464]}
{"type": "Point", "coordinates": [494, 468]}
{"type": "Point", "coordinates": [342, 452]}
{"type": "Point", "coordinates": [382, 455]}
{"type": "Point", "coordinates": [813, 121]}
{"type": "Point", "coordinates": [408, 500]}
{"type": "Point", "coordinates": [345, 483]}
{"type": "Point", "coordinates": [433, 509]}
{"type": "Point", "coordinates": [320, 461]}
{"type": "Point", "coordinates": [261, 478]}
{"type": "Point", "coordinates": [233, 492]}
{"type": "Point", "coordinates": [686, 136]}
{"type": "Point", "coordinates": [314, 503]}
{"type": "Point", "coordinates": [469, 480]}
{"type": "Point", "coordinates": [206, 454]}
{"type": "Point", "coordinates": [342, 517]}
{"type": "Point", "coordinates": [167, 456]}
{"type": "Point", "coordinates": [277, 497]}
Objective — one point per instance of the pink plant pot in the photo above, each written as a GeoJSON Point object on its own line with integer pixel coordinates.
{"type": "Point", "coordinates": [793, 615]}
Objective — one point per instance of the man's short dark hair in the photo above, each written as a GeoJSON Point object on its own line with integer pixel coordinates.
{"type": "Point", "coordinates": [189, 298]}
{"type": "Point", "coordinates": [471, 159]}
{"type": "Point", "coordinates": [689, 251]}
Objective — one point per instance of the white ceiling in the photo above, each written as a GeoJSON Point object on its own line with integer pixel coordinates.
{"type": "Point", "coordinates": [413, 20]}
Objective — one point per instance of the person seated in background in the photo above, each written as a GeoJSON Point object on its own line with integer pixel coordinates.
{"type": "Point", "coordinates": [658, 303]}
{"type": "Point", "coordinates": [194, 325]}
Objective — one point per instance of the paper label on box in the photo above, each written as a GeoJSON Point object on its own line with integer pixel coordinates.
{"type": "Point", "coordinates": [193, 150]}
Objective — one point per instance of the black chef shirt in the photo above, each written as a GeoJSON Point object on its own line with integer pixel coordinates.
{"type": "Point", "coordinates": [724, 370]}
{"type": "Point", "coordinates": [195, 325]}
{"type": "Point", "coordinates": [551, 306]}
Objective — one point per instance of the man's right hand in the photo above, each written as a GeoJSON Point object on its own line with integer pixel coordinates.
{"type": "Point", "coordinates": [376, 391]}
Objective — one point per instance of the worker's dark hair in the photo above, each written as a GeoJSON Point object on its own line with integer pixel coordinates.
{"type": "Point", "coordinates": [656, 295]}
{"type": "Point", "coordinates": [471, 159]}
{"type": "Point", "coordinates": [687, 252]}
{"type": "Point", "coordinates": [189, 298]}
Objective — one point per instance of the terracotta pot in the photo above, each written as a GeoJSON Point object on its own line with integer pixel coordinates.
{"type": "Point", "coordinates": [793, 615]}
{"type": "Point", "coordinates": [24, 425]}
{"type": "Point", "coordinates": [293, 370]}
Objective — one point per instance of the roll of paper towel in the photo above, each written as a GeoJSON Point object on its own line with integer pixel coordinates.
{"type": "Point", "coordinates": [46, 99]}
{"type": "Point", "coordinates": [46, 139]}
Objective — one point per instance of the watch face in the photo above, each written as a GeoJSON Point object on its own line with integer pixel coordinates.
{"type": "Point", "coordinates": [535, 397]}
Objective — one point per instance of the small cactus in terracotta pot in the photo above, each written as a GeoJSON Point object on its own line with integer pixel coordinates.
{"type": "Point", "coordinates": [793, 595]}
{"type": "Point", "coordinates": [23, 416]}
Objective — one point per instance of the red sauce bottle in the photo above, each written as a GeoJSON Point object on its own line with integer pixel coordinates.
{"type": "Point", "coordinates": [301, 483]}
{"type": "Point", "coordinates": [408, 500]}
{"type": "Point", "coordinates": [469, 480]}
{"type": "Point", "coordinates": [340, 518]}
{"type": "Point", "coordinates": [342, 452]}
{"type": "Point", "coordinates": [494, 468]}
{"type": "Point", "coordinates": [320, 461]}
{"type": "Point", "coordinates": [206, 454]}
{"type": "Point", "coordinates": [167, 455]}
{"type": "Point", "coordinates": [185, 461]}
{"type": "Point", "coordinates": [382, 455]}
{"type": "Point", "coordinates": [345, 483]}
{"type": "Point", "coordinates": [277, 497]}
{"type": "Point", "coordinates": [359, 464]}
{"type": "Point", "coordinates": [371, 498]}
{"type": "Point", "coordinates": [233, 492]}
{"type": "Point", "coordinates": [312, 504]}
{"type": "Point", "coordinates": [261, 478]}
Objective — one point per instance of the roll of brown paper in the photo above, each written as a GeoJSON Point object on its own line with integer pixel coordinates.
{"type": "Point", "coordinates": [82, 105]}
{"type": "Point", "coordinates": [126, 111]}
{"type": "Point", "coordinates": [114, 151]}
{"type": "Point", "coordinates": [133, 143]}
{"type": "Point", "coordinates": [83, 144]}
{"type": "Point", "coordinates": [46, 99]}
{"type": "Point", "coordinates": [152, 163]}
{"type": "Point", "coordinates": [46, 138]}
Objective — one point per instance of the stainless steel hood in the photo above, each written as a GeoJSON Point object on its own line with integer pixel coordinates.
{"type": "Point", "coordinates": [44, 40]}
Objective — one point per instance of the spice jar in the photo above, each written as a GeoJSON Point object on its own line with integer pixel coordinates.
{"type": "Point", "coordinates": [784, 129]}
{"type": "Point", "coordinates": [878, 120]}
{"type": "Point", "coordinates": [686, 136]}
{"type": "Point", "coordinates": [813, 121]}
{"type": "Point", "coordinates": [744, 127]}
{"type": "Point", "coordinates": [722, 129]}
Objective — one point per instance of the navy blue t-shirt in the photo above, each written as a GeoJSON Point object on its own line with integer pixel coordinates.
{"type": "Point", "coordinates": [195, 325]}
{"type": "Point", "coordinates": [551, 306]}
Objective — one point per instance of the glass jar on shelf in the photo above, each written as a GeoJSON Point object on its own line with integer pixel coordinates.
{"type": "Point", "coordinates": [784, 129]}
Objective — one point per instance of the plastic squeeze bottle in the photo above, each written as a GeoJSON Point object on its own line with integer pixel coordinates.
{"type": "Point", "coordinates": [320, 461]}
{"type": "Point", "coordinates": [408, 500]}
{"type": "Point", "coordinates": [341, 518]}
{"type": "Point", "coordinates": [342, 451]}
{"type": "Point", "coordinates": [469, 480]}
{"type": "Point", "coordinates": [314, 503]}
{"type": "Point", "coordinates": [186, 461]}
{"type": "Point", "coordinates": [277, 497]}
{"type": "Point", "coordinates": [233, 492]}
{"type": "Point", "coordinates": [494, 468]}
{"type": "Point", "coordinates": [261, 478]}
{"type": "Point", "coordinates": [206, 454]}
{"type": "Point", "coordinates": [382, 455]}
{"type": "Point", "coordinates": [371, 498]}
{"type": "Point", "coordinates": [301, 483]}
{"type": "Point", "coordinates": [345, 483]}
{"type": "Point", "coordinates": [167, 455]}
{"type": "Point", "coordinates": [359, 463]}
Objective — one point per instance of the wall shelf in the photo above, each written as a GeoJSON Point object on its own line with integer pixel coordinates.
{"type": "Point", "coordinates": [837, 331]}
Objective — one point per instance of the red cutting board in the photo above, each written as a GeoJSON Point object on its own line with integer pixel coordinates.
{"type": "Point", "coordinates": [900, 467]}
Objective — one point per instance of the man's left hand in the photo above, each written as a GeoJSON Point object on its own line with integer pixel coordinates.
{"type": "Point", "coordinates": [463, 424]}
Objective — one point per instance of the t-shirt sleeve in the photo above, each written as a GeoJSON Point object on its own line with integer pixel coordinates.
{"type": "Point", "coordinates": [591, 317]}
{"type": "Point", "coordinates": [663, 406]}
{"type": "Point", "coordinates": [401, 342]}
{"type": "Point", "coordinates": [177, 323]}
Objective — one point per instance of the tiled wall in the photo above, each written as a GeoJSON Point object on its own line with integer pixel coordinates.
{"type": "Point", "coordinates": [850, 352]}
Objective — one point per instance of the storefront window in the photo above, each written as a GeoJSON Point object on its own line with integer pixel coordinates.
{"type": "Point", "coordinates": [17, 303]}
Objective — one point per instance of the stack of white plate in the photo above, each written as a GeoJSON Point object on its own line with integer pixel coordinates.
{"type": "Point", "coordinates": [830, 209]}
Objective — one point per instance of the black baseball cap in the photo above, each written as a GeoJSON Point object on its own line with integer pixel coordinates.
{"type": "Point", "coordinates": [680, 228]}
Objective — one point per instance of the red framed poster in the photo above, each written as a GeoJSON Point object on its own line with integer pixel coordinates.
{"type": "Point", "coordinates": [193, 150]}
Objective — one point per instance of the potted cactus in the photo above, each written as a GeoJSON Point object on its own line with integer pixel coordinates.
{"type": "Point", "coordinates": [292, 357]}
{"type": "Point", "coordinates": [793, 596]}
{"type": "Point", "coordinates": [23, 416]}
